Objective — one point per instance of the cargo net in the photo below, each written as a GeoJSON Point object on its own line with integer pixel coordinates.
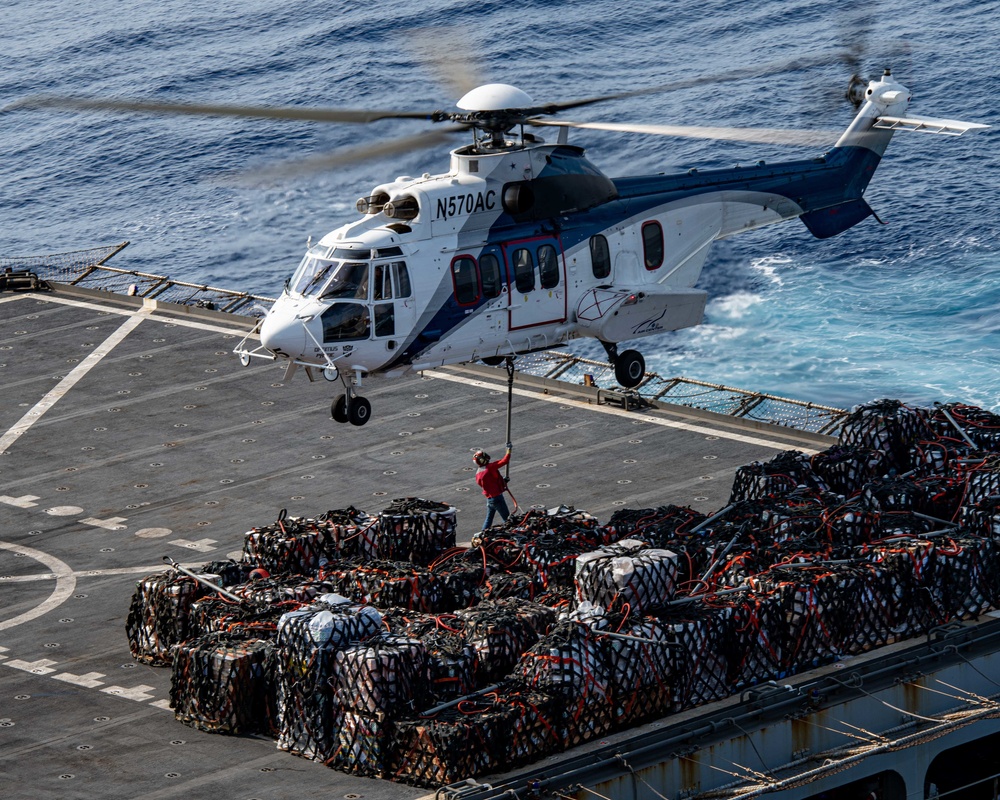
{"type": "Point", "coordinates": [223, 683]}
{"type": "Point", "coordinates": [571, 663]}
{"type": "Point", "coordinates": [655, 526]}
{"type": "Point", "coordinates": [784, 473]}
{"type": "Point", "coordinates": [471, 737]}
{"type": "Point", "coordinates": [889, 426]}
{"type": "Point", "coordinates": [308, 640]}
{"type": "Point", "coordinates": [389, 584]}
{"type": "Point", "coordinates": [500, 631]}
{"type": "Point", "coordinates": [413, 529]}
{"type": "Point", "coordinates": [830, 610]}
{"type": "Point", "coordinates": [158, 615]}
{"type": "Point", "coordinates": [626, 577]}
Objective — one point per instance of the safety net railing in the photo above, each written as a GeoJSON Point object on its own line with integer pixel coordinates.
{"type": "Point", "coordinates": [688, 392]}
{"type": "Point", "coordinates": [89, 269]}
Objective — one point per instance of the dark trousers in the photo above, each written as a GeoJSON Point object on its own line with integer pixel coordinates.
{"type": "Point", "coordinates": [493, 505]}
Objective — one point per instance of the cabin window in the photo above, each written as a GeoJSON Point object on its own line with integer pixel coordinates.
{"type": "Point", "coordinates": [402, 279]}
{"type": "Point", "coordinates": [346, 322]}
{"type": "Point", "coordinates": [489, 272]}
{"type": "Point", "coordinates": [463, 273]}
{"type": "Point", "coordinates": [600, 256]}
{"type": "Point", "coordinates": [652, 244]}
{"type": "Point", "coordinates": [548, 266]}
{"type": "Point", "coordinates": [524, 270]}
{"type": "Point", "coordinates": [385, 320]}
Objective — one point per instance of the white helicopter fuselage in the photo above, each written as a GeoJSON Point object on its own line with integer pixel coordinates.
{"type": "Point", "coordinates": [523, 246]}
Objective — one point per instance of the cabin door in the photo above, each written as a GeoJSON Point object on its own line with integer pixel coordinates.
{"type": "Point", "coordinates": [536, 276]}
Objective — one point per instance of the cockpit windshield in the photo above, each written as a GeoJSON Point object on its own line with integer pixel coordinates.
{"type": "Point", "coordinates": [321, 276]}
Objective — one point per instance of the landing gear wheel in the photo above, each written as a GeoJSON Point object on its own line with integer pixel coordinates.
{"type": "Point", "coordinates": [630, 367]}
{"type": "Point", "coordinates": [339, 409]}
{"type": "Point", "coordinates": [245, 358]}
{"type": "Point", "coordinates": [359, 411]}
{"type": "Point", "coordinates": [330, 373]}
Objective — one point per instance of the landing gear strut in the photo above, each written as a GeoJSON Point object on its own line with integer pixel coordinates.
{"type": "Point", "coordinates": [630, 366]}
{"type": "Point", "coordinates": [350, 407]}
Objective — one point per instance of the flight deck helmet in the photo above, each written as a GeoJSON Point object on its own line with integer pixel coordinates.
{"type": "Point", "coordinates": [481, 458]}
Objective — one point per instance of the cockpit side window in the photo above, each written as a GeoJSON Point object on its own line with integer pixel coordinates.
{"type": "Point", "coordinates": [350, 279]}
{"type": "Point", "coordinates": [344, 322]}
{"type": "Point", "coordinates": [382, 282]}
{"type": "Point", "coordinates": [402, 279]}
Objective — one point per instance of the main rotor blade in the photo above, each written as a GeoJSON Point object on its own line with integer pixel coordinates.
{"type": "Point", "coordinates": [349, 155]}
{"type": "Point", "coordinates": [758, 71]}
{"type": "Point", "coordinates": [213, 109]}
{"type": "Point", "coordinates": [446, 52]}
{"type": "Point", "coordinates": [758, 135]}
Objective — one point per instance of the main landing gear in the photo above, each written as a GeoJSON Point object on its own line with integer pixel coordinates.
{"type": "Point", "coordinates": [351, 407]}
{"type": "Point", "coordinates": [630, 366]}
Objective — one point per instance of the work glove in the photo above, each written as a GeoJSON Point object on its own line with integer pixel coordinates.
{"type": "Point", "coordinates": [509, 447]}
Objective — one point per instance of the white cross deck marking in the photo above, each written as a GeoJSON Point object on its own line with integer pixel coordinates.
{"type": "Point", "coordinates": [89, 680]}
{"type": "Point", "coordinates": [74, 377]}
{"type": "Point", "coordinates": [24, 501]}
{"type": "Point", "coordinates": [41, 667]}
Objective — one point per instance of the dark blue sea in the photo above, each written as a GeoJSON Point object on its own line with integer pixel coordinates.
{"type": "Point", "coordinates": [907, 310]}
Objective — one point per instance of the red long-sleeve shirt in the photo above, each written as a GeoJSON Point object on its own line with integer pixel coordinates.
{"type": "Point", "coordinates": [490, 479]}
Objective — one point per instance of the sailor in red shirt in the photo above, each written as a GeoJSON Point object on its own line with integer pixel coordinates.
{"type": "Point", "coordinates": [493, 484]}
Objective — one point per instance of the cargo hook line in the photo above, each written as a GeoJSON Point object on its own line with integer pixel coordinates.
{"type": "Point", "coordinates": [509, 364]}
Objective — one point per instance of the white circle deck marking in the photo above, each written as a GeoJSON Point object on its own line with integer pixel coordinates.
{"type": "Point", "coordinates": [64, 511]}
{"type": "Point", "coordinates": [65, 584]}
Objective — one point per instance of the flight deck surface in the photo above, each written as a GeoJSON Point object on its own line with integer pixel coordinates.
{"type": "Point", "coordinates": [130, 432]}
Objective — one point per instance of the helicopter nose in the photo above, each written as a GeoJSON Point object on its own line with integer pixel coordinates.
{"type": "Point", "coordinates": [283, 334]}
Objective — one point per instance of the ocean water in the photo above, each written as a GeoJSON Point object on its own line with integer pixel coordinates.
{"type": "Point", "coordinates": [907, 309]}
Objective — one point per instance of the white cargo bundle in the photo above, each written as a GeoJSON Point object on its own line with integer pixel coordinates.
{"type": "Point", "coordinates": [627, 576]}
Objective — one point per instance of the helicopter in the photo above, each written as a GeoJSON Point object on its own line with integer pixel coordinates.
{"type": "Point", "coordinates": [524, 245]}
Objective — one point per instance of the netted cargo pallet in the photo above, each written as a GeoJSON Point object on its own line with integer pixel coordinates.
{"type": "Point", "coordinates": [461, 741]}
{"type": "Point", "coordinates": [290, 545]}
{"type": "Point", "coordinates": [216, 613]}
{"type": "Point", "coordinates": [850, 524]}
{"type": "Point", "coordinates": [350, 533]}
{"type": "Point", "coordinates": [889, 426]}
{"type": "Point", "coordinates": [462, 573]}
{"type": "Point", "coordinates": [759, 619]}
{"type": "Point", "coordinates": [308, 721]}
{"type": "Point", "coordinates": [510, 584]}
{"type": "Point", "coordinates": [831, 610]}
{"type": "Point", "coordinates": [846, 470]}
{"type": "Point", "coordinates": [271, 591]}
{"type": "Point", "coordinates": [572, 663]}
{"type": "Point", "coordinates": [706, 645]}
{"type": "Point", "coordinates": [389, 584]}
{"type": "Point", "coordinates": [386, 675]}
{"type": "Point", "coordinates": [627, 576]}
{"type": "Point", "coordinates": [656, 526]}
{"type": "Point", "coordinates": [364, 744]}
{"type": "Point", "coordinates": [552, 559]}
{"type": "Point", "coordinates": [223, 683]}
{"type": "Point", "coordinates": [159, 613]}
{"type": "Point", "coordinates": [982, 518]}
{"type": "Point", "coordinates": [640, 664]}
{"type": "Point", "coordinates": [538, 728]}
{"type": "Point", "coordinates": [983, 481]}
{"type": "Point", "coordinates": [413, 529]}
{"type": "Point", "coordinates": [782, 474]}
{"type": "Point", "coordinates": [500, 631]}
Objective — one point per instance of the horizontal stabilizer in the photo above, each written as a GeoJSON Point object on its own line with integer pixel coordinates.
{"type": "Point", "coordinates": [946, 127]}
{"type": "Point", "coordinates": [826, 222]}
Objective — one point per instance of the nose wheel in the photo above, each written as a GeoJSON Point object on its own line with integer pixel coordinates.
{"type": "Point", "coordinates": [351, 408]}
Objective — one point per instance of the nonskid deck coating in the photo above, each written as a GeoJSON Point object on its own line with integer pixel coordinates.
{"type": "Point", "coordinates": [130, 433]}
